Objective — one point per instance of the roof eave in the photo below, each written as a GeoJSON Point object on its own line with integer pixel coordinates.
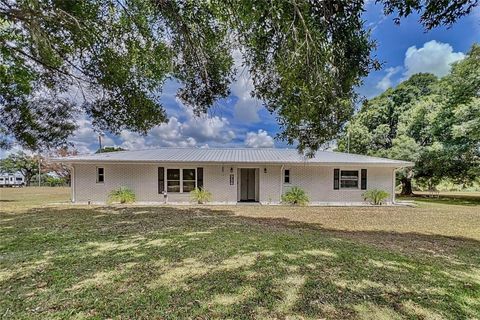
{"type": "Point", "coordinates": [305, 163]}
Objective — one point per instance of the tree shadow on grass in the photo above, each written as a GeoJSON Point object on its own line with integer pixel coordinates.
{"type": "Point", "coordinates": [185, 262]}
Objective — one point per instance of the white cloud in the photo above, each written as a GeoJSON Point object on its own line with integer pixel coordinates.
{"type": "Point", "coordinates": [434, 57]}
{"type": "Point", "coordinates": [386, 81]}
{"type": "Point", "coordinates": [259, 139]}
{"type": "Point", "coordinates": [246, 108]}
{"type": "Point", "coordinates": [207, 128]}
{"type": "Point", "coordinates": [192, 132]}
{"type": "Point", "coordinates": [85, 139]}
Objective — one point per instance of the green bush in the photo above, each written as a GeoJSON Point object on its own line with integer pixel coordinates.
{"type": "Point", "coordinates": [295, 196]}
{"type": "Point", "coordinates": [54, 181]}
{"type": "Point", "coordinates": [200, 195]}
{"type": "Point", "coordinates": [122, 195]}
{"type": "Point", "coordinates": [375, 196]}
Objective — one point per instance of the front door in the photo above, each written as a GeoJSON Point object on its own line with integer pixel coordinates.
{"type": "Point", "coordinates": [247, 184]}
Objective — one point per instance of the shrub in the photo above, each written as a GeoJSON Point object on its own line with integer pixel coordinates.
{"type": "Point", "coordinates": [54, 181]}
{"type": "Point", "coordinates": [200, 195]}
{"type": "Point", "coordinates": [122, 195]}
{"type": "Point", "coordinates": [295, 196]}
{"type": "Point", "coordinates": [375, 196]}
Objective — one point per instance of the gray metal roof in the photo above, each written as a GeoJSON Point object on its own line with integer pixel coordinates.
{"type": "Point", "coordinates": [232, 155]}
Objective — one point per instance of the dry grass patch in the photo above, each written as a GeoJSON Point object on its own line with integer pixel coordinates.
{"type": "Point", "coordinates": [454, 221]}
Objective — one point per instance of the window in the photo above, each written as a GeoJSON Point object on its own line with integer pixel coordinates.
{"type": "Point", "coordinates": [188, 181]}
{"type": "Point", "coordinates": [18, 179]}
{"type": "Point", "coordinates": [286, 176]}
{"type": "Point", "coordinates": [173, 180]}
{"type": "Point", "coordinates": [349, 179]}
{"type": "Point", "coordinates": [180, 180]}
{"type": "Point", "coordinates": [100, 175]}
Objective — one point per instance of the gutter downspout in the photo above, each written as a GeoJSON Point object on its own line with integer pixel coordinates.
{"type": "Point", "coordinates": [393, 185]}
{"type": "Point", "coordinates": [72, 183]}
{"type": "Point", "coordinates": [281, 183]}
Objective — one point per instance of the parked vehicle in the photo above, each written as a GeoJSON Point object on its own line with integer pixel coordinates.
{"type": "Point", "coordinates": [11, 180]}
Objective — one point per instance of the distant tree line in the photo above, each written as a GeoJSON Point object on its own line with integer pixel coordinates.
{"type": "Point", "coordinates": [51, 173]}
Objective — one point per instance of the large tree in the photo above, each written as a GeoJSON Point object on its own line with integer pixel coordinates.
{"type": "Point", "coordinates": [305, 58]}
{"type": "Point", "coordinates": [21, 162]}
{"type": "Point", "coordinates": [432, 122]}
{"type": "Point", "coordinates": [60, 170]}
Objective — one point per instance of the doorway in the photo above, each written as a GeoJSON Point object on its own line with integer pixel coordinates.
{"type": "Point", "coordinates": [248, 185]}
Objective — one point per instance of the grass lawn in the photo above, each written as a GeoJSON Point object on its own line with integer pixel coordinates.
{"type": "Point", "coordinates": [203, 262]}
{"type": "Point", "coordinates": [461, 198]}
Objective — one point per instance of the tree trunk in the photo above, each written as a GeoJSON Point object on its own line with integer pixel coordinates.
{"type": "Point", "coordinates": [406, 186]}
{"type": "Point", "coordinates": [28, 175]}
{"type": "Point", "coordinates": [28, 180]}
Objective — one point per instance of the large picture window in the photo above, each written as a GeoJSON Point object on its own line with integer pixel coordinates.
{"type": "Point", "coordinates": [349, 179]}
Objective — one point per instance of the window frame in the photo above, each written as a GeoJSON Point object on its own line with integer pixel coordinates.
{"type": "Point", "coordinates": [285, 176]}
{"type": "Point", "coordinates": [179, 180]}
{"type": "Point", "coordinates": [357, 180]}
{"type": "Point", "coordinates": [190, 180]}
{"type": "Point", "coordinates": [166, 180]}
{"type": "Point", "coordinates": [98, 174]}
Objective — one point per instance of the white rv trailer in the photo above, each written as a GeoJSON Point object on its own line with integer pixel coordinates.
{"type": "Point", "coordinates": [11, 180]}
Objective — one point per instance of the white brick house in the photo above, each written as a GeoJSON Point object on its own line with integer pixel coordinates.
{"type": "Point", "coordinates": [231, 175]}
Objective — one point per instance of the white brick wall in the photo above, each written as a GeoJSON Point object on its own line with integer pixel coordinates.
{"type": "Point", "coordinates": [316, 181]}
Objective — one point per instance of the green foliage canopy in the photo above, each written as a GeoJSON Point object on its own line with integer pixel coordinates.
{"type": "Point", "coordinates": [305, 58]}
{"type": "Point", "coordinates": [433, 122]}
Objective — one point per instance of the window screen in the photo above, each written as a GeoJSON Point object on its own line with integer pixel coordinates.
{"type": "Point", "coordinates": [349, 179]}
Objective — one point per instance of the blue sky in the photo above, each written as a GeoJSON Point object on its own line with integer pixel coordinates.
{"type": "Point", "coordinates": [240, 120]}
